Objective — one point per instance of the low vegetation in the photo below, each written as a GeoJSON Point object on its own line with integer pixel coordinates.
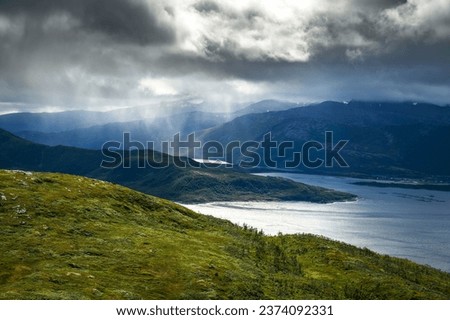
{"type": "Point", "coordinates": [70, 237]}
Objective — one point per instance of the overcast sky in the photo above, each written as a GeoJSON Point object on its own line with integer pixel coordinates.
{"type": "Point", "coordinates": [113, 53]}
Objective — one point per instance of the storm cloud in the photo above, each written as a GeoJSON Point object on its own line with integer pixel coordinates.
{"type": "Point", "coordinates": [114, 53]}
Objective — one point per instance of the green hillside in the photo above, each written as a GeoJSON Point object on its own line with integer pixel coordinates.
{"type": "Point", "coordinates": [188, 185]}
{"type": "Point", "coordinates": [70, 237]}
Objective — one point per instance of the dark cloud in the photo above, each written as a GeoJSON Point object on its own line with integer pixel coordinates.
{"type": "Point", "coordinates": [128, 21]}
{"type": "Point", "coordinates": [378, 4]}
{"type": "Point", "coordinates": [95, 53]}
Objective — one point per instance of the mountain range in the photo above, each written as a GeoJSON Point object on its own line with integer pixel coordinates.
{"type": "Point", "coordinates": [384, 139]}
{"type": "Point", "coordinates": [197, 183]}
{"type": "Point", "coordinates": [88, 129]}
{"type": "Point", "coordinates": [51, 122]}
{"type": "Point", "coordinates": [155, 130]}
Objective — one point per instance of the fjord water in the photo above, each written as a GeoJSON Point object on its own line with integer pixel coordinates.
{"type": "Point", "coordinates": [406, 223]}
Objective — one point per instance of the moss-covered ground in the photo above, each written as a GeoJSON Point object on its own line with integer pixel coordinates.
{"type": "Point", "coordinates": [70, 237]}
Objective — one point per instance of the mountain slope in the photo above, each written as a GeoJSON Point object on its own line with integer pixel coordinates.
{"type": "Point", "coordinates": [51, 122]}
{"type": "Point", "coordinates": [175, 183]}
{"type": "Point", "coordinates": [154, 130]}
{"type": "Point", "coordinates": [266, 106]}
{"type": "Point", "coordinates": [47, 122]}
{"type": "Point", "coordinates": [397, 139]}
{"type": "Point", "coordinates": [43, 126]}
{"type": "Point", "coordinates": [69, 237]}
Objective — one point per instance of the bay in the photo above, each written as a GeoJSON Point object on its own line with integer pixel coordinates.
{"type": "Point", "coordinates": [406, 223]}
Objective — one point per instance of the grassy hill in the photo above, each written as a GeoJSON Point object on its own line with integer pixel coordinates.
{"type": "Point", "coordinates": [70, 237]}
{"type": "Point", "coordinates": [187, 185]}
